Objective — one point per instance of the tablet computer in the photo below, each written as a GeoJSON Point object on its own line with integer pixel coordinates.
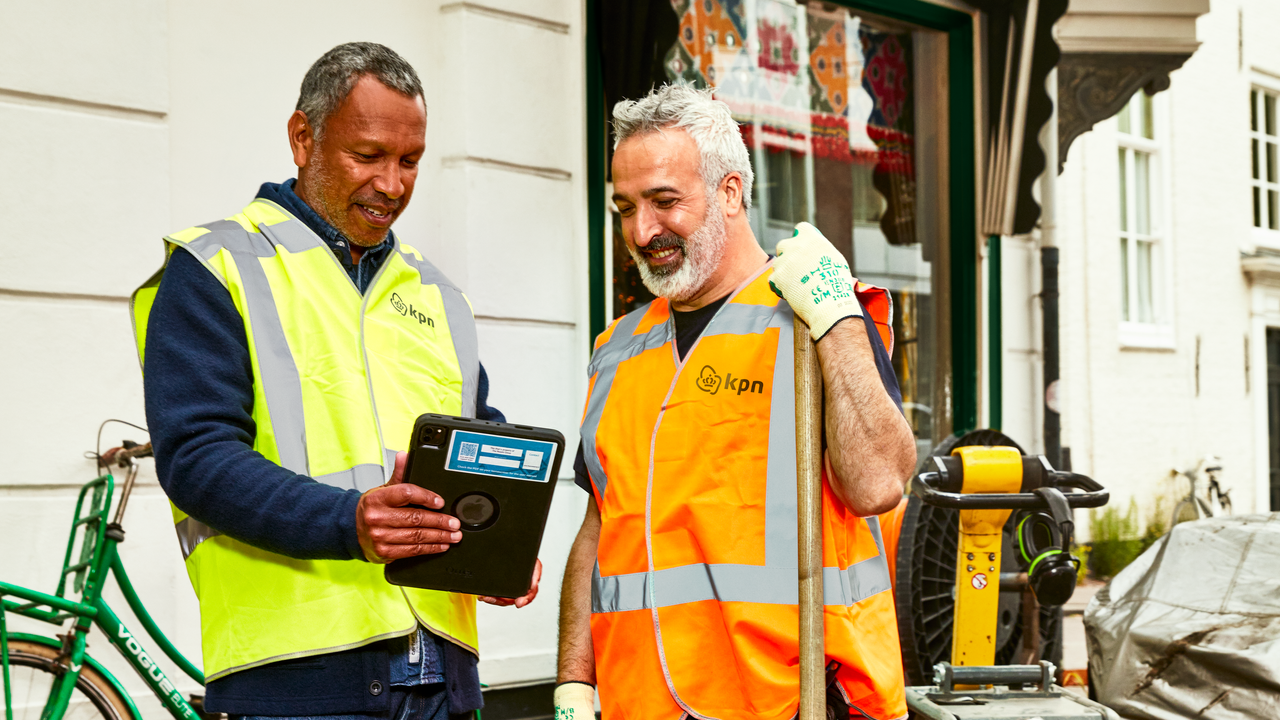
{"type": "Point", "coordinates": [497, 479]}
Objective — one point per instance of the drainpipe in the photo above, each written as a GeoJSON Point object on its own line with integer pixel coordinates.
{"type": "Point", "coordinates": [1049, 282]}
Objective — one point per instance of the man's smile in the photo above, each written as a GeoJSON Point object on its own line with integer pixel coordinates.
{"type": "Point", "coordinates": [378, 217]}
{"type": "Point", "coordinates": [661, 257]}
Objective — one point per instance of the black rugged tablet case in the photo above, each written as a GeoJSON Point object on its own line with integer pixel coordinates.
{"type": "Point", "coordinates": [497, 479]}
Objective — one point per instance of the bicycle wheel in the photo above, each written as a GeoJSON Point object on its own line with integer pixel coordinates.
{"type": "Point", "coordinates": [1185, 511]}
{"type": "Point", "coordinates": [33, 668]}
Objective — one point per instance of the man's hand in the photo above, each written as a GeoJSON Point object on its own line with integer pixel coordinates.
{"type": "Point", "coordinates": [814, 279]}
{"type": "Point", "coordinates": [520, 601]}
{"type": "Point", "coordinates": [390, 528]}
{"type": "Point", "coordinates": [575, 701]}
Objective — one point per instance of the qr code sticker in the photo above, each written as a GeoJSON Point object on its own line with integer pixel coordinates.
{"type": "Point", "coordinates": [467, 451]}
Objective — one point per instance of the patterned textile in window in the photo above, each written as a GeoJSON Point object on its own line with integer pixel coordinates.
{"type": "Point", "coordinates": [807, 80]}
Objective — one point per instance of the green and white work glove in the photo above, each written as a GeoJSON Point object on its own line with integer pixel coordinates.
{"type": "Point", "coordinates": [575, 701]}
{"type": "Point", "coordinates": [814, 279]}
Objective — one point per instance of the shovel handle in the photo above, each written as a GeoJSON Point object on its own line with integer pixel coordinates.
{"type": "Point", "coordinates": [809, 429]}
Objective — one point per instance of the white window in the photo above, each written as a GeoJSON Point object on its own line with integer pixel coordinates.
{"type": "Point", "coordinates": [1144, 316]}
{"type": "Point", "coordinates": [1265, 146]}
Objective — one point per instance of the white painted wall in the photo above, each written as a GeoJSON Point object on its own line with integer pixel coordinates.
{"type": "Point", "coordinates": [1130, 415]}
{"type": "Point", "coordinates": [124, 122]}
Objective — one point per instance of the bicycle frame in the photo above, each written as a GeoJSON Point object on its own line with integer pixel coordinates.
{"type": "Point", "coordinates": [98, 557]}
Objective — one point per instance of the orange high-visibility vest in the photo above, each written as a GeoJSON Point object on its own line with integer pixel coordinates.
{"type": "Point", "coordinates": [693, 467]}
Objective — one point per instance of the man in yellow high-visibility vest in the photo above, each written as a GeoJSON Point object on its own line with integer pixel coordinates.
{"type": "Point", "coordinates": [287, 351]}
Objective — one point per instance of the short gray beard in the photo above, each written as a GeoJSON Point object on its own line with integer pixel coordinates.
{"type": "Point", "coordinates": [319, 180]}
{"type": "Point", "coordinates": [702, 252]}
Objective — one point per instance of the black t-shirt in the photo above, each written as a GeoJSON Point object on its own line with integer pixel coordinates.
{"type": "Point", "coordinates": [689, 327]}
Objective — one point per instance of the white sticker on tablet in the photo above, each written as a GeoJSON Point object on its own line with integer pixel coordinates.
{"type": "Point", "coordinates": [497, 456]}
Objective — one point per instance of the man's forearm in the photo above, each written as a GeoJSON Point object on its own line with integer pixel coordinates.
{"type": "Point", "coordinates": [577, 662]}
{"type": "Point", "coordinates": [870, 445]}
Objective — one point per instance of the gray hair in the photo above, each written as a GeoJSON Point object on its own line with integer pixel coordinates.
{"type": "Point", "coordinates": [331, 78]}
{"type": "Point", "coordinates": [707, 120]}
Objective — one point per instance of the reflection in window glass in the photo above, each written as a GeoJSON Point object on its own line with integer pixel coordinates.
{"type": "Point", "coordinates": [1124, 190]}
{"type": "Point", "coordinates": [1264, 148]}
{"type": "Point", "coordinates": [1142, 191]}
{"type": "Point", "coordinates": [1139, 205]}
{"type": "Point", "coordinates": [787, 192]}
{"type": "Point", "coordinates": [1124, 280]}
{"type": "Point", "coordinates": [1145, 312]}
{"type": "Point", "coordinates": [827, 105]}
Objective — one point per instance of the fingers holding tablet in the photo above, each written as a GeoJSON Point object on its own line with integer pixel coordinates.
{"type": "Point", "coordinates": [520, 601]}
{"type": "Point", "coordinates": [399, 521]}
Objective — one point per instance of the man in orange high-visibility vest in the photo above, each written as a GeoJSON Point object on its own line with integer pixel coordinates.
{"type": "Point", "coordinates": [681, 591]}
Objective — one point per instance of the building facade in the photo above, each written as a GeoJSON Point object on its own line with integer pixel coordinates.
{"type": "Point", "coordinates": [1168, 221]}
{"type": "Point", "coordinates": [126, 121]}
{"type": "Point", "coordinates": [877, 121]}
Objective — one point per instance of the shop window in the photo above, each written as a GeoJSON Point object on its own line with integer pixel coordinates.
{"type": "Point", "coordinates": [1144, 320]}
{"type": "Point", "coordinates": [1264, 147]}
{"type": "Point", "coordinates": [840, 135]}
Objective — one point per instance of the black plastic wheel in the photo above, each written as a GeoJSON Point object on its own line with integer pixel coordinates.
{"type": "Point", "coordinates": [926, 580]}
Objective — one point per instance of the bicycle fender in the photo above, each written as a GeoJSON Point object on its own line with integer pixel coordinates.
{"type": "Point", "coordinates": [97, 667]}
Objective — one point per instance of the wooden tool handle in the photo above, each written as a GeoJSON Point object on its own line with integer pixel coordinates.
{"type": "Point", "coordinates": [808, 374]}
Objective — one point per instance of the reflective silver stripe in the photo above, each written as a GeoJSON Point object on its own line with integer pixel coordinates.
{"type": "Point", "coordinates": [781, 548]}
{"type": "Point", "coordinates": [622, 344]}
{"type": "Point", "coordinates": [741, 319]}
{"type": "Point", "coordinates": [759, 584]}
{"type": "Point", "coordinates": [192, 532]}
{"type": "Point", "coordinates": [361, 477]}
{"type": "Point", "coordinates": [462, 327]}
{"type": "Point", "coordinates": [619, 593]}
{"type": "Point", "coordinates": [626, 346]}
{"type": "Point", "coordinates": [293, 236]}
{"type": "Point", "coordinates": [281, 384]}
{"type": "Point", "coordinates": [230, 235]}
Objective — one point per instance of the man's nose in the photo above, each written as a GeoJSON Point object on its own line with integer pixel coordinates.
{"type": "Point", "coordinates": [389, 180]}
{"type": "Point", "coordinates": [647, 226]}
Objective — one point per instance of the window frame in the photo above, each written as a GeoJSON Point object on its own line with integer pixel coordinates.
{"type": "Point", "coordinates": [1158, 333]}
{"type": "Point", "coordinates": [1263, 85]}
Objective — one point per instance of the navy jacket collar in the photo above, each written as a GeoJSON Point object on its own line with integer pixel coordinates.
{"type": "Point", "coordinates": [283, 195]}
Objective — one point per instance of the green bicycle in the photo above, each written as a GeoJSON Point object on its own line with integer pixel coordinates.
{"type": "Point", "coordinates": [54, 676]}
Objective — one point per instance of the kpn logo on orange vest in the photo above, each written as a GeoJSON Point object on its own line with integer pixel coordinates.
{"type": "Point", "coordinates": [710, 382]}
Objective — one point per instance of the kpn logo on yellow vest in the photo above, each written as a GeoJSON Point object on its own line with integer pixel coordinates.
{"type": "Point", "coordinates": [410, 311]}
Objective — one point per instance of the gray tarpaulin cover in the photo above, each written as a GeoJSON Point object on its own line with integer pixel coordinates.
{"type": "Point", "coordinates": [1191, 629]}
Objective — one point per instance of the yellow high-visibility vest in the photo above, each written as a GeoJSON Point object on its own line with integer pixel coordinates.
{"type": "Point", "coordinates": [338, 381]}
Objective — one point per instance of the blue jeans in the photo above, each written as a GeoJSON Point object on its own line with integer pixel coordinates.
{"type": "Point", "coordinates": [417, 702]}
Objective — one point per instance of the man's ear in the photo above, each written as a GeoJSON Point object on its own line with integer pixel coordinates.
{"type": "Point", "coordinates": [302, 140]}
{"type": "Point", "coordinates": [731, 191]}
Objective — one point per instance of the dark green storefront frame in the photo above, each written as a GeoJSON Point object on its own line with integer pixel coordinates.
{"type": "Point", "coordinates": [964, 287]}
